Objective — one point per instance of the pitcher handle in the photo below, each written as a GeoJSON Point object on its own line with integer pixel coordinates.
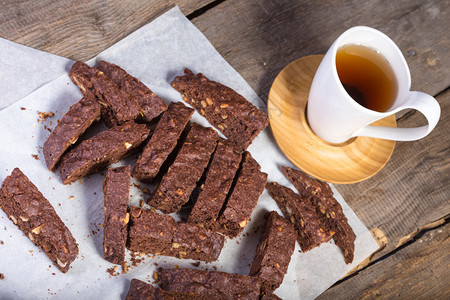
{"type": "Point", "coordinates": [422, 102]}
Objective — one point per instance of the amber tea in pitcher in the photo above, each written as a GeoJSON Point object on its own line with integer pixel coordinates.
{"type": "Point", "coordinates": [378, 79]}
{"type": "Point", "coordinates": [366, 76]}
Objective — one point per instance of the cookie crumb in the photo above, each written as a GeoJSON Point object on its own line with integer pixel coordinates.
{"type": "Point", "coordinates": [196, 264]}
{"type": "Point", "coordinates": [112, 270]}
{"type": "Point", "coordinates": [44, 115]}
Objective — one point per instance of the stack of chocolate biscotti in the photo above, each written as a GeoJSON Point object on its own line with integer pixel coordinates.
{"type": "Point", "coordinates": [178, 156]}
{"type": "Point", "coordinates": [127, 106]}
{"type": "Point", "coordinates": [267, 271]}
{"type": "Point", "coordinates": [193, 168]}
{"type": "Point", "coordinates": [315, 213]}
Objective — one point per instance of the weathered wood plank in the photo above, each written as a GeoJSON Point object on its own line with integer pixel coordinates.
{"type": "Point", "coordinates": [418, 271]}
{"type": "Point", "coordinates": [260, 37]}
{"type": "Point", "coordinates": [79, 30]}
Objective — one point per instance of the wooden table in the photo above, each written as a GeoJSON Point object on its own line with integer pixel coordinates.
{"type": "Point", "coordinates": [406, 204]}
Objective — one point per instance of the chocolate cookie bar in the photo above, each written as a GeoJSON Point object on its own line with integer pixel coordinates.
{"type": "Point", "coordinates": [98, 152]}
{"type": "Point", "coordinates": [116, 187]}
{"type": "Point", "coordinates": [223, 168]}
{"type": "Point", "coordinates": [140, 290]}
{"type": "Point", "coordinates": [150, 104]}
{"type": "Point", "coordinates": [302, 214]}
{"type": "Point", "coordinates": [154, 233]}
{"type": "Point", "coordinates": [177, 184]}
{"type": "Point", "coordinates": [273, 252]}
{"type": "Point", "coordinates": [25, 205]}
{"type": "Point", "coordinates": [243, 197]}
{"type": "Point", "coordinates": [210, 283]}
{"type": "Point", "coordinates": [306, 185]}
{"type": "Point", "coordinates": [163, 141]}
{"type": "Point", "coordinates": [72, 125]}
{"type": "Point", "coordinates": [117, 106]}
{"type": "Point", "coordinates": [238, 119]}
{"type": "Point", "coordinates": [327, 207]}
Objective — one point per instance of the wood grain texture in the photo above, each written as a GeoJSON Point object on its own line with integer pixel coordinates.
{"type": "Point", "coordinates": [260, 37]}
{"type": "Point", "coordinates": [417, 271]}
{"type": "Point", "coordinates": [353, 161]}
{"type": "Point", "coordinates": [80, 30]}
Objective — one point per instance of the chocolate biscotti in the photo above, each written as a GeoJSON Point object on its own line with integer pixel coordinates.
{"type": "Point", "coordinates": [72, 125]}
{"type": "Point", "coordinates": [163, 141]}
{"type": "Point", "coordinates": [238, 119]}
{"type": "Point", "coordinates": [302, 214]}
{"type": "Point", "coordinates": [117, 106]}
{"type": "Point", "coordinates": [332, 215]}
{"type": "Point", "coordinates": [154, 233]}
{"type": "Point", "coordinates": [180, 180]}
{"type": "Point", "coordinates": [140, 290]}
{"type": "Point", "coordinates": [306, 185]}
{"type": "Point", "coordinates": [223, 168]}
{"type": "Point", "coordinates": [327, 207]}
{"type": "Point", "coordinates": [98, 152]}
{"type": "Point", "coordinates": [249, 185]}
{"type": "Point", "coordinates": [116, 187]}
{"type": "Point", "coordinates": [212, 284]}
{"type": "Point", "coordinates": [273, 252]}
{"type": "Point", "coordinates": [150, 104]}
{"type": "Point", "coordinates": [25, 205]}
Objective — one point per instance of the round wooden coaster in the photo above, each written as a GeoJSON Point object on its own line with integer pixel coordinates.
{"type": "Point", "coordinates": [349, 162]}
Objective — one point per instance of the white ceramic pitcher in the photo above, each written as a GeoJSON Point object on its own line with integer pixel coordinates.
{"type": "Point", "coordinates": [335, 117]}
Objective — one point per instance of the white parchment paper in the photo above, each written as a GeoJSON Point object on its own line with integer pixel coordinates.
{"type": "Point", "coordinates": [155, 53]}
{"type": "Point", "coordinates": [24, 69]}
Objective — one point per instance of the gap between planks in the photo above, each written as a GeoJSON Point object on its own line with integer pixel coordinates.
{"type": "Point", "coordinates": [202, 10]}
{"type": "Point", "coordinates": [403, 242]}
